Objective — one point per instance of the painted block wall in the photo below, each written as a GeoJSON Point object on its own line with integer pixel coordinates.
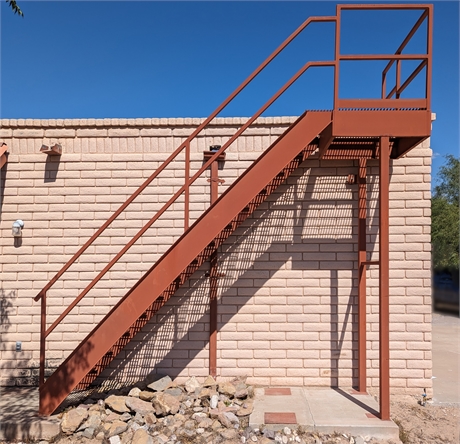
{"type": "Point", "coordinates": [287, 309]}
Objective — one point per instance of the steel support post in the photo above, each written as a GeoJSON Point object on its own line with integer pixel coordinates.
{"type": "Point", "coordinates": [384, 268]}
{"type": "Point", "coordinates": [213, 283]}
{"type": "Point", "coordinates": [362, 196]}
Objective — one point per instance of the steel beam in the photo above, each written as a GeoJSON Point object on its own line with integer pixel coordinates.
{"type": "Point", "coordinates": [384, 278]}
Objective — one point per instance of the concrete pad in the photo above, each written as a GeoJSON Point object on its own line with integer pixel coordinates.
{"type": "Point", "coordinates": [337, 410]}
{"type": "Point", "coordinates": [324, 410]}
{"type": "Point", "coordinates": [19, 419]}
{"type": "Point", "coordinates": [280, 403]}
{"type": "Point", "coordinates": [446, 358]}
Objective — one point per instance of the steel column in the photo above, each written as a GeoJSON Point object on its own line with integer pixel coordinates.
{"type": "Point", "coordinates": [213, 283]}
{"type": "Point", "coordinates": [213, 316]}
{"type": "Point", "coordinates": [362, 191]}
{"type": "Point", "coordinates": [384, 268]}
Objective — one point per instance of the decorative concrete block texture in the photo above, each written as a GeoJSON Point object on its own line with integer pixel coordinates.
{"type": "Point", "coordinates": [287, 308]}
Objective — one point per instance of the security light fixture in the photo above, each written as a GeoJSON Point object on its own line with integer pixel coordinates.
{"type": "Point", "coordinates": [17, 228]}
{"type": "Point", "coordinates": [214, 148]}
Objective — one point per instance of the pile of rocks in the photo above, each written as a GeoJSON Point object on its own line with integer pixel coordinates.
{"type": "Point", "coordinates": [163, 412]}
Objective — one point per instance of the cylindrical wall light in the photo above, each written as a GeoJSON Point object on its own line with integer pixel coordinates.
{"type": "Point", "coordinates": [17, 228]}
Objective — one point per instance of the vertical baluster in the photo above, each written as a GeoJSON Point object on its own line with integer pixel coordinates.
{"type": "Point", "coordinates": [398, 77]}
{"type": "Point", "coordinates": [384, 84]}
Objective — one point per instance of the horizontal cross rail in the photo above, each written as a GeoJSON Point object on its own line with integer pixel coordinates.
{"type": "Point", "coordinates": [414, 74]}
{"type": "Point", "coordinates": [383, 57]}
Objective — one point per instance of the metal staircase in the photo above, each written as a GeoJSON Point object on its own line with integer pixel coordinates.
{"type": "Point", "coordinates": [355, 129]}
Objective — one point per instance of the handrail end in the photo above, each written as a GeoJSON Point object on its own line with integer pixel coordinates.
{"type": "Point", "coordinates": [39, 296]}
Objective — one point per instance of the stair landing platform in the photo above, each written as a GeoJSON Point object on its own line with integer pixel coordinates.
{"type": "Point", "coordinates": [325, 410]}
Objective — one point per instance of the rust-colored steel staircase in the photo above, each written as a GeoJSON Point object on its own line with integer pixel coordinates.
{"type": "Point", "coordinates": [352, 130]}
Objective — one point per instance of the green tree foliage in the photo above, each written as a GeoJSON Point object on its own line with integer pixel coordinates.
{"type": "Point", "coordinates": [445, 216]}
{"type": "Point", "coordinates": [14, 6]}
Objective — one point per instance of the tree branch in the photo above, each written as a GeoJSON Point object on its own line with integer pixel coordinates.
{"type": "Point", "coordinates": [14, 6]}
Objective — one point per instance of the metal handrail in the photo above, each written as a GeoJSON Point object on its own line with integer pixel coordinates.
{"type": "Point", "coordinates": [182, 189]}
{"type": "Point", "coordinates": [180, 149]}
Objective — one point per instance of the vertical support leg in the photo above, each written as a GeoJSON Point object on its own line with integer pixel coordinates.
{"type": "Point", "coordinates": [362, 196]}
{"type": "Point", "coordinates": [213, 316]}
{"type": "Point", "coordinates": [213, 284]}
{"type": "Point", "coordinates": [384, 271]}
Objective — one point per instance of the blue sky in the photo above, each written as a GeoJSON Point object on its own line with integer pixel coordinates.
{"type": "Point", "coordinates": [182, 59]}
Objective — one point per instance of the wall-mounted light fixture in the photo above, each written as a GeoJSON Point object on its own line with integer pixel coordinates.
{"type": "Point", "coordinates": [212, 150]}
{"type": "Point", "coordinates": [17, 228]}
{"type": "Point", "coordinates": [55, 150]}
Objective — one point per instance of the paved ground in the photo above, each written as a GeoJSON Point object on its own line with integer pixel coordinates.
{"type": "Point", "coordinates": [323, 410]}
{"type": "Point", "coordinates": [446, 358]}
{"type": "Point", "coordinates": [19, 419]}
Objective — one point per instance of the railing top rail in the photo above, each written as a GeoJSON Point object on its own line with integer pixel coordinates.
{"type": "Point", "coordinates": [407, 6]}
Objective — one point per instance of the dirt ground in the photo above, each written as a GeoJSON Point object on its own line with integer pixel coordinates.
{"type": "Point", "coordinates": [432, 424]}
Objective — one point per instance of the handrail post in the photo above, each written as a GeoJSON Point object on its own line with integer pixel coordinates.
{"type": "Point", "coordinates": [384, 84]}
{"type": "Point", "coordinates": [187, 187]}
{"type": "Point", "coordinates": [398, 78]}
{"type": "Point", "coordinates": [429, 51]}
{"type": "Point", "coordinates": [338, 14]}
{"type": "Point", "coordinates": [41, 377]}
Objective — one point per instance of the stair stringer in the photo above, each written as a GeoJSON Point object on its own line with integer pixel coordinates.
{"type": "Point", "coordinates": [179, 256]}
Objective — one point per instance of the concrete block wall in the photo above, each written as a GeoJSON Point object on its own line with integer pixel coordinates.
{"type": "Point", "coordinates": [287, 308]}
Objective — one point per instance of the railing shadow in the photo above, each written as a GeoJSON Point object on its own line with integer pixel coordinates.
{"type": "Point", "coordinates": [359, 403]}
{"type": "Point", "coordinates": [51, 168]}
